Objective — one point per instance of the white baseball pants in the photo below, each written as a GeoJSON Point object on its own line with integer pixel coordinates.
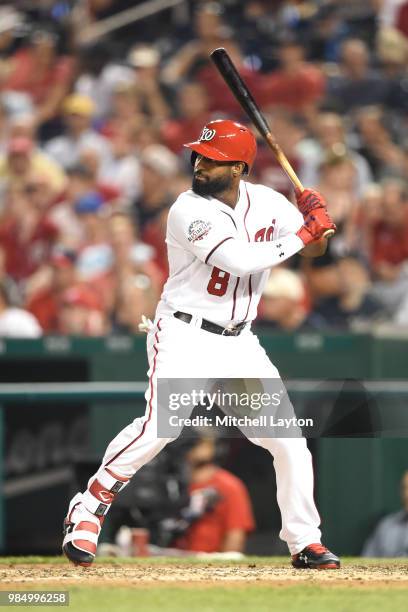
{"type": "Point", "coordinates": [179, 350]}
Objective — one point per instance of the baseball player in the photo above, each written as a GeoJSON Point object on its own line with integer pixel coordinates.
{"type": "Point", "coordinates": [223, 236]}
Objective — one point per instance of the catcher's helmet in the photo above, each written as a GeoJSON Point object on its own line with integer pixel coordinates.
{"type": "Point", "coordinates": [225, 140]}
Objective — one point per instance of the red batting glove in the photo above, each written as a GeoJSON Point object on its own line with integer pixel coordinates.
{"type": "Point", "coordinates": [317, 223]}
{"type": "Point", "coordinates": [309, 200]}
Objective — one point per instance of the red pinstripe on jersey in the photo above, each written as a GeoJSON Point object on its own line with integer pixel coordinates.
{"type": "Point", "coordinates": [249, 240]}
{"type": "Point", "coordinates": [234, 299]}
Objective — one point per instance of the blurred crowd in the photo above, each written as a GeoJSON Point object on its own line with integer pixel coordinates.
{"type": "Point", "coordinates": [91, 153]}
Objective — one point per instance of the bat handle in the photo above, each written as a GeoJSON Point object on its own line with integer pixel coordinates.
{"type": "Point", "coordinates": [295, 182]}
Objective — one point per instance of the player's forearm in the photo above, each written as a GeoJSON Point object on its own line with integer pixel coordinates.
{"type": "Point", "coordinates": [241, 258]}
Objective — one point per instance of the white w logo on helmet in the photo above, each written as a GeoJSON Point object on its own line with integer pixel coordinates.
{"type": "Point", "coordinates": [207, 134]}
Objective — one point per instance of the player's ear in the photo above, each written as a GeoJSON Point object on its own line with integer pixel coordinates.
{"type": "Point", "coordinates": [238, 169]}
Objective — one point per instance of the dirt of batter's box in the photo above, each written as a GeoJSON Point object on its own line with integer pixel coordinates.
{"type": "Point", "coordinates": [21, 576]}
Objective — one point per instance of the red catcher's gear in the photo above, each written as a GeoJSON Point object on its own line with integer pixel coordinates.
{"type": "Point", "coordinates": [225, 141]}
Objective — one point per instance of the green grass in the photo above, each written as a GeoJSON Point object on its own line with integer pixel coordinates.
{"type": "Point", "coordinates": [253, 598]}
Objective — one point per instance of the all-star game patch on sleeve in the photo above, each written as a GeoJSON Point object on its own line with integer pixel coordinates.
{"type": "Point", "coordinates": [198, 229]}
{"type": "Point", "coordinates": [198, 226]}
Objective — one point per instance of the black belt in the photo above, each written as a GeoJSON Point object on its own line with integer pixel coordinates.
{"type": "Point", "coordinates": [212, 327]}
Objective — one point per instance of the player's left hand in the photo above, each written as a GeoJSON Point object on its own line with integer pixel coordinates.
{"type": "Point", "coordinates": [316, 224]}
{"type": "Point", "coordinates": [309, 200]}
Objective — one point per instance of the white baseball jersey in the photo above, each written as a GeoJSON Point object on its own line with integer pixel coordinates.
{"type": "Point", "coordinates": [217, 271]}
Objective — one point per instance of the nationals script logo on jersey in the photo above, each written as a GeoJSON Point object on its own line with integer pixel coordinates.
{"type": "Point", "coordinates": [198, 229]}
{"type": "Point", "coordinates": [207, 134]}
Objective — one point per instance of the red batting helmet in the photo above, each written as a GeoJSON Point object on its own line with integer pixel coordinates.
{"type": "Point", "coordinates": [225, 140]}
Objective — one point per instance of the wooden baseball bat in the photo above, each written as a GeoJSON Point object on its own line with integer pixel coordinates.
{"type": "Point", "coordinates": [241, 92]}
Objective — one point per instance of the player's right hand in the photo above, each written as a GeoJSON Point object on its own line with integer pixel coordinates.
{"type": "Point", "coordinates": [317, 223]}
{"type": "Point", "coordinates": [309, 200]}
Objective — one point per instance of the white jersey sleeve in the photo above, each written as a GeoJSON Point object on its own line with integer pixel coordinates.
{"type": "Point", "coordinates": [241, 258]}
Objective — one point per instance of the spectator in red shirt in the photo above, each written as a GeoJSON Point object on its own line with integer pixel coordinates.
{"type": "Point", "coordinates": [296, 86]}
{"type": "Point", "coordinates": [389, 251]}
{"type": "Point", "coordinates": [154, 234]}
{"type": "Point", "coordinates": [39, 72]}
{"type": "Point", "coordinates": [45, 303]}
{"type": "Point", "coordinates": [225, 525]}
{"type": "Point", "coordinates": [26, 233]}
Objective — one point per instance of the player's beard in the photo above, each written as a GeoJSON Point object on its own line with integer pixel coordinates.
{"type": "Point", "coordinates": [211, 187]}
